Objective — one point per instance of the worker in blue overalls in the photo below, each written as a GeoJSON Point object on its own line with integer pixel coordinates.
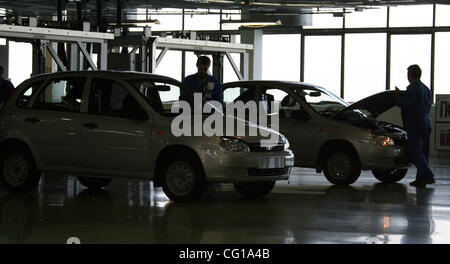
{"type": "Point", "coordinates": [211, 90]}
{"type": "Point", "coordinates": [202, 82]}
{"type": "Point", "coordinates": [416, 105]}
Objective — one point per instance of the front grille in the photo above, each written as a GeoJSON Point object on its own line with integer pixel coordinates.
{"type": "Point", "coordinates": [256, 147]}
{"type": "Point", "coordinates": [267, 172]}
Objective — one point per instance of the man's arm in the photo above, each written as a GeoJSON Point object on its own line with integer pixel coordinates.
{"type": "Point", "coordinates": [408, 98]}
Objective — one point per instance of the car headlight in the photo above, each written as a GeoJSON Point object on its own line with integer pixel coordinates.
{"type": "Point", "coordinates": [286, 145]}
{"type": "Point", "coordinates": [233, 144]}
{"type": "Point", "coordinates": [384, 141]}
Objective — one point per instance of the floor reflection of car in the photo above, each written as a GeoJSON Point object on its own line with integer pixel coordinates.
{"type": "Point", "coordinates": [336, 214]}
{"type": "Point", "coordinates": [327, 133]}
{"type": "Point", "coordinates": [98, 125]}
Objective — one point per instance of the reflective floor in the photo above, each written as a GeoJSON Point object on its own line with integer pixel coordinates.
{"type": "Point", "coordinates": [306, 210]}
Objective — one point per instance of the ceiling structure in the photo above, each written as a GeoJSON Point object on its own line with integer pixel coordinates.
{"type": "Point", "coordinates": [48, 7]}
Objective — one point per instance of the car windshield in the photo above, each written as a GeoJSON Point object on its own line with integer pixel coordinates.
{"type": "Point", "coordinates": [323, 102]}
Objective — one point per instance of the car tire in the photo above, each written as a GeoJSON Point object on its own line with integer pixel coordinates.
{"type": "Point", "coordinates": [94, 183]}
{"type": "Point", "coordinates": [18, 171]}
{"type": "Point", "coordinates": [254, 189]}
{"type": "Point", "coordinates": [390, 176]}
{"type": "Point", "coordinates": [341, 166]}
{"type": "Point", "coordinates": [183, 179]}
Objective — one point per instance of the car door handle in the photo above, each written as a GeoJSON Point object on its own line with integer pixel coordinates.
{"type": "Point", "coordinates": [90, 125]}
{"type": "Point", "coordinates": [32, 120]}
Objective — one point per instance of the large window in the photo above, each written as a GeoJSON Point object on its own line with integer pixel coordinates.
{"type": "Point", "coordinates": [228, 73]}
{"type": "Point", "coordinates": [411, 16]}
{"type": "Point", "coordinates": [171, 20]}
{"type": "Point", "coordinates": [442, 15]}
{"type": "Point", "coordinates": [405, 51]}
{"type": "Point", "coordinates": [365, 65]}
{"type": "Point", "coordinates": [281, 57]}
{"type": "Point", "coordinates": [375, 17]}
{"type": "Point", "coordinates": [170, 65]}
{"type": "Point", "coordinates": [326, 21]}
{"type": "Point", "coordinates": [442, 64]}
{"type": "Point", "coordinates": [323, 62]}
{"type": "Point", "coordinates": [202, 21]}
{"type": "Point", "coordinates": [20, 61]}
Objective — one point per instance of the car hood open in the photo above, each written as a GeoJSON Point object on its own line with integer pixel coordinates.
{"type": "Point", "coordinates": [375, 104]}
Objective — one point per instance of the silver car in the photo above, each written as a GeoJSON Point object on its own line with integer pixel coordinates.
{"type": "Point", "coordinates": [98, 125]}
{"type": "Point", "coordinates": [328, 134]}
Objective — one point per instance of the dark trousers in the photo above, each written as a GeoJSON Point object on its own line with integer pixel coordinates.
{"type": "Point", "coordinates": [419, 149]}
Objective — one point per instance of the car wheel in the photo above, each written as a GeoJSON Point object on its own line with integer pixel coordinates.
{"type": "Point", "coordinates": [341, 167]}
{"type": "Point", "coordinates": [94, 183]}
{"type": "Point", "coordinates": [254, 189]}
{"type": "Point", "coordinates": [18, 172]}
{"type": "Point", "coordinates": [183, 178]}
{"type": "Point", "coordinates": [390, 176]}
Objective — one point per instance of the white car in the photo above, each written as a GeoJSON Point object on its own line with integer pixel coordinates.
{"type": "Point", "coordinates": [98, 125]}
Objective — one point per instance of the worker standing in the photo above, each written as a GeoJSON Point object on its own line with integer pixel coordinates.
{"type": "Point", "coordinates": [211, 90]}
{"type": "Point", "coordinates": [202, 82]}
{"type": "Point", "coordinates": [415, 106]}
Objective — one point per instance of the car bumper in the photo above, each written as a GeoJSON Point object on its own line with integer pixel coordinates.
{"type": "Point", "coordinates": [378, 157]}
{"type": "Point", "coordinates": [223, 166]}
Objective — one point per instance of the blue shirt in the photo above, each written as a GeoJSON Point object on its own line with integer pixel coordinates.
{"type": "Point", "coordinates": [6, 88]}
{"type": "Point", "coordinates": [416, 105]}
{"type": "Point", "coordinates": [210, 89]}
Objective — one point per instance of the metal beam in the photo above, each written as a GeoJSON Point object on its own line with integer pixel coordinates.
{"type": "Point", "coordinates": [161, 56]}
{"type": "Point", "coordinates": [56, 57]}
{"type": "Point", "coordinates": [235, 68]}
{"type": "Point", "coordinates": [87, 55]}
{"type": "Point", "coordinates": [52, 34]}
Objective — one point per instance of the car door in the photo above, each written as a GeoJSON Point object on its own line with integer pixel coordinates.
{"type": "Point", "coordinates": [115, 131]}
{"type": "Point", "coordinates": [51, 121]}
{"type": "Point", "coordinates": [295, 123]}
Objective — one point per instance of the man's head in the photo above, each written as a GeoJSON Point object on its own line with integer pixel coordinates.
{"type": "Point", "coordinates": [1, 71]}
{"type": "Point", "coordinates": [414, 73]}
{"type": "Point", "coordinates": [203, 63]}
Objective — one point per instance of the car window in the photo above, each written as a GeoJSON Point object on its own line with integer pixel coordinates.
{"type": "Point", "coordinates": [288, 106]}
{"type": "Point", "coordinates": [160, 95]}
{"type": "Point", "coordinates": [25, 96]}
{"type": "Point", "coordinates": [61, 95]}
{"type": "Point", "coordinates": [110, 98]}
{"type": "Point", "coordinates": [234, 94]}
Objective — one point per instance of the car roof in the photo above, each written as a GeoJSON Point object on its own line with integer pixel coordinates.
{"type": "Point", "coordinates": [126, 75]}
{"type": "Point", "coordinates": [287, 84]}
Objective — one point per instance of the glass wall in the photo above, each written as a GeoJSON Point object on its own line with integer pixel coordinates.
{"type": "Point", "coordinates": [442, 64]}
{"type": "Point", "coordinates": [170, 65]}
{"type": "Point", "coordinates": [411, 16]}
{"type": "Point", "coordinates": [326, 21]}
{"type": "Point", "coordinates": [375, 17]}
{"type": "Point", "coordinates": [323, 62]}
{"type": "Point", "coordinates": [20, 62]}
{"type": "Point", "coordinates": [442, 15]}
{"type": "Point", "coordinates": [281, 57]}
{"type": "Point", "coordinates": [365, 65]}
{"type": "Point", "coordinates": [405, 51]}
